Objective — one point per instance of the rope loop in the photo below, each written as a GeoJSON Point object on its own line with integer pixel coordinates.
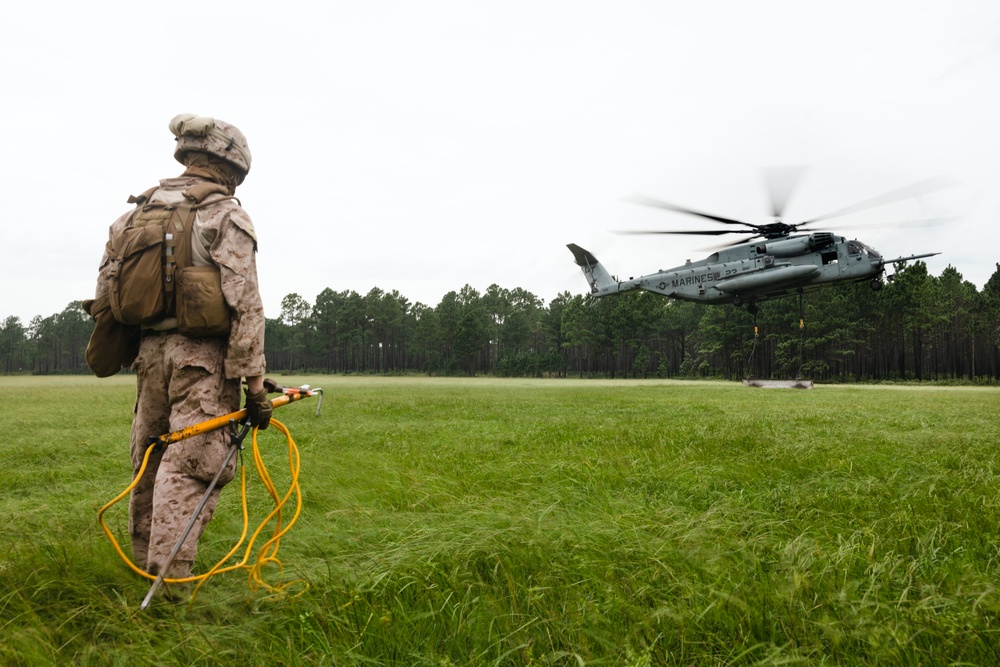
{"type": "Point", "coordinates": [267, 553]}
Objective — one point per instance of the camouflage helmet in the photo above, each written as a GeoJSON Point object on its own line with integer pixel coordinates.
{"type": "Point", "coordinates": [208, 135]}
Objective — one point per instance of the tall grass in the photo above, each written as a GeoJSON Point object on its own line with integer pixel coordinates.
{"type": "Point", "coordinates": [487, 522]}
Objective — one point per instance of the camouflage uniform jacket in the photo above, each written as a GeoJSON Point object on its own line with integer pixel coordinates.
{"type": "Point", "coordinates": [222, 235]}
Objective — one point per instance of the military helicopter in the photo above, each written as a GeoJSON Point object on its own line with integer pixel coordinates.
{"type": "Point", "coordinates": [774, 261]}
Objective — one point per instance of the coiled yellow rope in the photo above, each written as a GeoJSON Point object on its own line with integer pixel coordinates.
{"type": "Point", "coordinates": [267, 552]}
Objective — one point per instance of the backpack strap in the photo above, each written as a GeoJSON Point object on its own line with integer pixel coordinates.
{"type": "Point", "coordinates": [194, 199]}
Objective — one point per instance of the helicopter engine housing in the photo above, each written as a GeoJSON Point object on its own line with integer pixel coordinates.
{"type": "Point", "coordinates": [797, 246]}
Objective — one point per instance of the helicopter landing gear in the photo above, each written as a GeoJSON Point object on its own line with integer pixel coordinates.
{"type": "Point", "coordinates": [875, 284]}
{"type": "Point", "coordinates": [751, 307]}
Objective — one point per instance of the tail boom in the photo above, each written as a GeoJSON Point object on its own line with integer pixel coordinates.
{"type": "Point", "coordinates": [601, 282]}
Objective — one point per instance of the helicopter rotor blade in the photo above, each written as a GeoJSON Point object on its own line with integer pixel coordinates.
{"type": "Point", "coordinates": [656, 203]}
{"type": "Point", "coordinates": [923, 187]}
{"type": "Point", "coordinates": [731, 244]}
{"type": "Point", "coordinates": [906, 224]}
{"type": "Point", "coordinates": [699, 232]}
{"type": "Point", "coordinates": [740, 241]}
{"type": "Point", "coordinates": [781, 183]}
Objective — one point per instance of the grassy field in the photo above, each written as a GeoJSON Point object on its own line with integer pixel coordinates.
{"type": "Point", "coordinates": [506, 522]}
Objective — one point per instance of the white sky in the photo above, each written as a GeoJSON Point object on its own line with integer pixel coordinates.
{"type": "Point", "coordinates": [421, 146]}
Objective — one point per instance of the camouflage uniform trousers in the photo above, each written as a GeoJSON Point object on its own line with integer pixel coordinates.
{"type": "Point", "coordinates": [180, 382]}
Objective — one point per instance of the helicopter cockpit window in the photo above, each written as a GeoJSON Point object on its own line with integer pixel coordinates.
{"type": "Point", "coordinates": [859, 248]}
{"type": "Point", "coordinates": [870, 251]}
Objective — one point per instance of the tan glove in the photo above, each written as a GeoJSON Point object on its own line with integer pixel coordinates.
{"type": "Point", "coordinates": [259, 409]}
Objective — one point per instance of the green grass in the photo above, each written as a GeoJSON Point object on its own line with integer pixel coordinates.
{"type": "Point", "coordinates": [507, 522]}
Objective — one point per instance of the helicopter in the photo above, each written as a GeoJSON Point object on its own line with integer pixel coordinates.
{"type": "Point", "coordinates": [774, 261]}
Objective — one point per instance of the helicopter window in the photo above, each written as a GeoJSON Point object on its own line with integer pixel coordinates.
{"type": "Point", "coordinates": [870, 251]}
{"type": "Point", "coordinates": [853, 248]}
{"type": "Point", "coordinates": [829, 257]}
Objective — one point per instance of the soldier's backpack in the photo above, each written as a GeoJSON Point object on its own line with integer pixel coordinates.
{"type": "Point", "coordinates": [150, 262]}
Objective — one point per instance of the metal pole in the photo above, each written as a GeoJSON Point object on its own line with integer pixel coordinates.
{"type": "Point", "coordinates": [234, 446]}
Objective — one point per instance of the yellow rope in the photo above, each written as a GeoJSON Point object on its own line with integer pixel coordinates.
{"type": "Point", "coordinates": [268, 551]}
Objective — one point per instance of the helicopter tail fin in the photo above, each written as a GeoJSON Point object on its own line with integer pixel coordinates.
{"type": "Point", "coordinates": [601, 282]}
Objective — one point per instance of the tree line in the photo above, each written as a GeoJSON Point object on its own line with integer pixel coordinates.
{"type": "Point", "coordinates": [918, 327]}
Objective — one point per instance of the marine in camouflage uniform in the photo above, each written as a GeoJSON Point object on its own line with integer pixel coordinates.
{"type": "Point", "coordinates": [180, 380]}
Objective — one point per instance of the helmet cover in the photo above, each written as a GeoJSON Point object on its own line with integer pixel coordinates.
{"type": "Point", "coordinates": [208, 135]}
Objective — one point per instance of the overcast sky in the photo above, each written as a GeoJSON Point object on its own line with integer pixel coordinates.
{"type": "Point", "coordinates": [422, 146]}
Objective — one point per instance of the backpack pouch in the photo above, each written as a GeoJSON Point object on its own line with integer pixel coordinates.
{"type": "Point", "coordinates": [137, 282]}
{"type": "Point", "coordinates": [112, 345]}
{"type": "Point", "coordinates": [201, 306]}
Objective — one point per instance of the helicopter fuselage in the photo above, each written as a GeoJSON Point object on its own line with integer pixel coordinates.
{"type": "Point", "coordinates": [754, 271]}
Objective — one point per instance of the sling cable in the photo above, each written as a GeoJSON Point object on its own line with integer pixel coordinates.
{"type": "Point", "coordinates": [239, 426]}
